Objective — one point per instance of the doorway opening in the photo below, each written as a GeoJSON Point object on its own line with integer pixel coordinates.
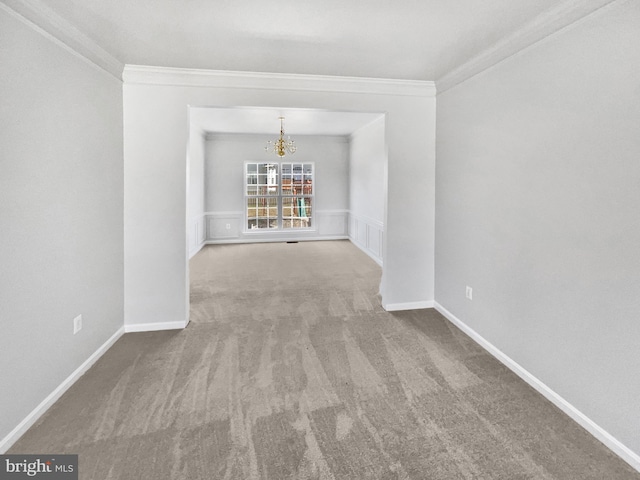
{"type": "Point", "coordinates": [341, 155]}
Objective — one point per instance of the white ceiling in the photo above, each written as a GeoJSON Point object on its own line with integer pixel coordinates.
{"type": "Point", "coordinates": [400, 39]}
{"type": "Point", "coordinates": [429, 40]}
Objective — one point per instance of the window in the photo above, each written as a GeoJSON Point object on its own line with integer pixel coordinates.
{"type": "Point", "coordinates": [279, 196]}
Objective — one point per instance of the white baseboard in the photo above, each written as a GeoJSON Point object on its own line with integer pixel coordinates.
{"type": "Point", "coordinates": [369, 253]}
{"type": "Point", "coordinates": [247, 239]}
{"type": "Point", "coordinates": [598, 432]}
{"type": "Point", "coordinates": [154, 327]}
{"type": "Point", "coordinates": [24, 425]}
{"type": "Point", "coordinates": [394, 307]}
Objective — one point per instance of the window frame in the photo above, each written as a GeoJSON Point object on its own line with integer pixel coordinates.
{"type": "Point", "coordinates": [279, 196]}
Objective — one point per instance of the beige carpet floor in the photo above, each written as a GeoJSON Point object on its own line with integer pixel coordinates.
{"type": "Point", "coordinates": [290, 369]}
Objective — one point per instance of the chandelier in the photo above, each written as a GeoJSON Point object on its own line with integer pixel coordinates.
{"type": "Point", "coordinates": [281, 146]}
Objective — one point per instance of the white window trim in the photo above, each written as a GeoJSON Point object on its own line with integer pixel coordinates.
{"type": "Point", "coordinates": [273, 231]}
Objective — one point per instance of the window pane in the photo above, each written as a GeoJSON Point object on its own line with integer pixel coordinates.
{"type": "Point", "coordinates": [297, 172]}
{"type": "Point", "coordinates": [302, 207]}
{"type": "Point", "coordinates": [307, 207]}
{"type": "Point", "coordinates": [265, 175]}
{"type": "Point", "coordinates": [287, 188]}
{"type": "Point", "coordinates": [262, 212]}
{"type": "Point", "coordinates": [272, 175]}
{"type": "Point", "coordinates": [285, 170]}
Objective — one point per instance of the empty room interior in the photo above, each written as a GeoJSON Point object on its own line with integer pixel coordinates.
{"type": "Point", "coordinates": [321, 240]}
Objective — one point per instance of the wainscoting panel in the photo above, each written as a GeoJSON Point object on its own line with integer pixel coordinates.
{"type": "Point", "coordinates": [332, 222]}
{"type": "Point", "coordinates": [223, 225]}
{"type": "Point", "coordinates": [374, 240]}
{"type": "Point", "coordinates": [196, 234]}
{"type": "Point", "coordinates": [367, 234]}
{"type": "Point", "coordinates": [228, 227]}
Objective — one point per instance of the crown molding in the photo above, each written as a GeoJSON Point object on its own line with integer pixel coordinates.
{"type": "Point", "coordinates": [185, 77]}
{"type": "Point", "coordinates": [44, 20]}
{"type": "Point", "coordinates": [544, 25]}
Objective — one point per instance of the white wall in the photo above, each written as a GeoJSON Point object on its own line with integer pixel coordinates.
{"type": "Point", "coordinates": [156, 132]}
{"type": "Point", "coordinates": [224, 180]}
{"type": "Point", "coordinates": [538, 197]}
{"type": "Point", "coordinates": [61, 216]}
{"type": "Point", "coordinates": [367, 188]}
{"type": "Point", "coordinates": [195, 190]}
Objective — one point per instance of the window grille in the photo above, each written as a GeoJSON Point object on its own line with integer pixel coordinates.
{"type": "Point", "coordinates": [279, 196]}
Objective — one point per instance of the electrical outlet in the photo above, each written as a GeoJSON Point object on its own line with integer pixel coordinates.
{"type": "Point", "coordinates": [469, 293]}
{"type": "Point", "coordinates": [77, 324]}
{"type": "Point", "coordinates": [228, 225]}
